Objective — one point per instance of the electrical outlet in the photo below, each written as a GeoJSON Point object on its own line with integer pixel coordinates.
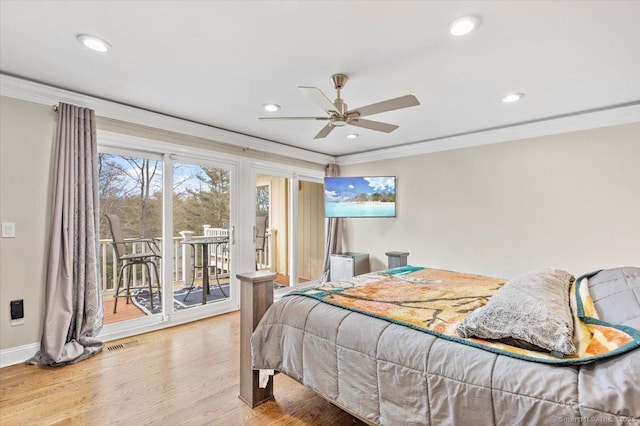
{"type": "Point", "coordinates": [17, 309]}
{"type": "Point", "coordinates": [17, 312]}
{"type": "Point", "coordinates": [8, 230]}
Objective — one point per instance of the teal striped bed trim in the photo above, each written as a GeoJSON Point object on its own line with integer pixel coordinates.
{"type": "Point", "coordinates": [401, 270]}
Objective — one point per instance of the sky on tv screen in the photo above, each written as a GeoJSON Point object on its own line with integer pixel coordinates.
{"type": "Point", "coordinates": [340, 189]}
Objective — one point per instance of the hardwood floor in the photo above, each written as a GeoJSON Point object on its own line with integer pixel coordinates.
{"type": "Point", "coordinates": [184, 375]}
{"type": "Point", "coordinates": [284, 280]}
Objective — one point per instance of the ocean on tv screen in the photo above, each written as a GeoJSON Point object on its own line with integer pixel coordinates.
{"type": "Point", "coordinates": [360, 209]}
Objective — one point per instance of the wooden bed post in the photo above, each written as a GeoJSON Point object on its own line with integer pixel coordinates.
{"type": "Point", "coordinates": [396, 259]}
{"type": "Point", "coordinates": [256, 295]}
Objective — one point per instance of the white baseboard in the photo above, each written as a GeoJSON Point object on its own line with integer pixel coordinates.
{"type": "Point", "coordinates": [18, 354]}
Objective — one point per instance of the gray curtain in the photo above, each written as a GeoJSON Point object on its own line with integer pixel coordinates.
{"type": "Point", "coordinates": [333, 230]}
{"type": "Point", "coordinates": [73, 304]}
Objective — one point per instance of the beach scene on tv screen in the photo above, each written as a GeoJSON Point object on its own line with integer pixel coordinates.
{"type": "Point", "coordinates": [360, 196]}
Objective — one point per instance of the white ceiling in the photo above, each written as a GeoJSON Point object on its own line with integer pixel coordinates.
{"type": "Point", "coordinates": [218, 62]}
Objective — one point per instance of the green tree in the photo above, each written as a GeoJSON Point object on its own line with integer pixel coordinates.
{"type": "Point", "coordinates": [130, 187]}
{"type": "Point", "coordinates": [262, 200]}
{"type": "Point", "coordinates": [207, 204]}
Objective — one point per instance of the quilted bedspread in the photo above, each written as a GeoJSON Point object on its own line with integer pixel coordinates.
{"type": "Point", "coordinates": [437, 301]}
{"type": "Point", "coordinates": [391, 374]}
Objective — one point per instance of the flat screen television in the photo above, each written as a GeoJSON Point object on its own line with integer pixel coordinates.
{"type": "Point", "coordinates": [360, 196]}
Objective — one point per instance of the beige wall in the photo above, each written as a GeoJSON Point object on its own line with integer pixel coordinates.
{"type": "Point", "coordinates": [568, 201]}
{"type": "Point", "coordinates": [26, 141]}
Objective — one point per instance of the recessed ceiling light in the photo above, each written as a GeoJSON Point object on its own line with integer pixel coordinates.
{"type": "Point", "coordinates": [271, 107]}
{"type": "Point", "coordinates": [352, 135]}
{"type": "Point", "coordinates": [93, 43]}
{"type": "Point", "coordinates": [512, 97]}
{"type": "Point", "coordinates": [464, 25]}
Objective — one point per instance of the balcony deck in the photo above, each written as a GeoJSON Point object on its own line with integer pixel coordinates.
{"type": "Point", "coordinates": [183, 258]}
{"type": "Point", "coordinates": [127, 311]}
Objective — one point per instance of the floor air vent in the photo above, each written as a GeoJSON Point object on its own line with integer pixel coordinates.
{"type": "Point", "coordinates": [123, 345]}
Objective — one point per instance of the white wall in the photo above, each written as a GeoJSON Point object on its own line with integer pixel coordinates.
{"type": "Point", "coordinates": [569, 201]}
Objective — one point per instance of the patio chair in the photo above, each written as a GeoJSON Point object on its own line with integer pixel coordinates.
{"type": "Point", "coordinates": [146, 259]}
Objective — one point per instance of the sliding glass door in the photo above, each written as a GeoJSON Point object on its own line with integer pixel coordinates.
{"type": "Point", "coordinates": [185, 200]}
{"type": "Point", "coordinates": [130, 187]}
{"type": "Point", "coordinates": [185, 207]}
{"type": "Point", "coordinates": [204, 233]}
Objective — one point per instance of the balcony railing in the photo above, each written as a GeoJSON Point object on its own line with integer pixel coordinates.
{"type": "Point", "coordinates": [182, 259]}
{"type": "Point", "coordinates": [265, 259]}
{"type": "Point", "coordinates": [110, 266]}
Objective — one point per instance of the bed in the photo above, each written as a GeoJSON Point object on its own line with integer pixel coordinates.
{"type": "Point", "coordinates": [390, 373]}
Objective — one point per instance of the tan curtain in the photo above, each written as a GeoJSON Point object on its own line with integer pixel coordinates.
{"type": "Point", "coordinates": [333, 231]}
{"type": "Point", "coordinates": [73, 298]}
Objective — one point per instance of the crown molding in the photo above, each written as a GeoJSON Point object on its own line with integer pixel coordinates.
{"type": "Point", "coordinates": [18, 88]}
{"type": "Point", "coordinates": [26, 90]}
{"type": "Point", "coordinates": [603, 117]}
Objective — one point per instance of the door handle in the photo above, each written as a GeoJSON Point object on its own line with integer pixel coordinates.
{"type": "Point", "coordinates": [255, 233]}
{"type": "Point", "coordinates": [233, 235]}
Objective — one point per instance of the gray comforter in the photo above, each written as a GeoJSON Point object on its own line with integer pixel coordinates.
{"type": "Point", "coordinates": [394, 375]}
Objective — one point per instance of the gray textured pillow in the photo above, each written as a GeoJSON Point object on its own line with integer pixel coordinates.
{"type": "Point", "coordinates": [531, 311]}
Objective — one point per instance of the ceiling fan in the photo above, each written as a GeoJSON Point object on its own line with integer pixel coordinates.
{"type": "Point", "coordinates": [339, 115]}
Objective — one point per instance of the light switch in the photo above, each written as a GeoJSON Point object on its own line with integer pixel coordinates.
{"type": "Point", "coordinates": [8, 230]}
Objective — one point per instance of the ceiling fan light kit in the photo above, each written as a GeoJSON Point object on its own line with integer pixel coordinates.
{"type": "Point", "coordinates": [339, 115]}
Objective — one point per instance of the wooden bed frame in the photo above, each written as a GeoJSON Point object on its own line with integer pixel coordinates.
{"type": "Point", "coordinates": [256, 295]}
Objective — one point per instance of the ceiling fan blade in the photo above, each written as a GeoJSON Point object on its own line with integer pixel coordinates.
{"type": "Point", "coordinates": [388, 105]}
{"type": "Point", "coordinates": [324, 131]}
{"type": "Point", "coordinates": [293, 118]}
{"type": "Point", "coordinates": [319, 99]}
{"type": "Point", "coordinates": [373, 125]}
